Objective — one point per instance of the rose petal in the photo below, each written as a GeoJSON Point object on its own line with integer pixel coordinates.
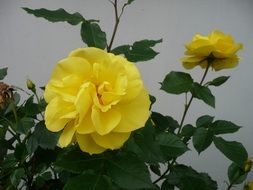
{"type": "Point", "coordinates": [87, 144]}
{"type": "Point", "coordinates": [92, 55]}
{"type": "Point", "coordinates": [65, 67]}
{"type": "Point", "coordinates": [135, 113]}
{"type": "Point", "coordinates": [219, 64]}
{"type": "Point", "coordinates": [67, 135]}
{"type": "Point", "coordinates": [83, 100]}
{"type": "Point", "coordinates": [105, 122]}
{"type": "Point", "coordinates": [110, 141]}
{"type": "Point", "coordinates": [55, 114]}
{"type": "Point", "coordinates": [86, 126]}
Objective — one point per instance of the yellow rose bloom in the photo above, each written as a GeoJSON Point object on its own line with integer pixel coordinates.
{"type": "Point", "coordinates": [217, 46]}
{"type": "Point", "coordinates": [97, 99]}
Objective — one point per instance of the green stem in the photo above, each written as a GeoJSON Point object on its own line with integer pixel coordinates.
{"type": "Point", "coordinates": [187, 106]}
{"type": "Point", "coordinates": [38, 101]}
{"type": "Point", "coordinates": [14, 135]}
{"type": "Point", "coordinates": [14, 112]}
{"type": "Point", "coordinates": [115, 5]}
{"type": "Point", "coordinates": [117, 20]}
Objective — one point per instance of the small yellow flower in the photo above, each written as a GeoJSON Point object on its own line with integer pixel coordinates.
{"type": "Point", "coordinates": [248, 186]}
{"type": "Point", "coordinates": [248, 165]}
{"type": "Point", "coordinates": [97, 99]}
{"type": "Point", "coordinates": [217, 46]}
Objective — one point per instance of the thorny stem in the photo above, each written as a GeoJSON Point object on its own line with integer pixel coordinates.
{"type": "Point", "coordinates": [117, 20]}
{"type": "Point", "coordinates": [181, 125]}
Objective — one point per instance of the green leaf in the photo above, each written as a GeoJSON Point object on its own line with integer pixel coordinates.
{"type": "Point", "coordinates": [124, 49]}
{"type": "Point", "coordinates": [32, 144]}
{"type": "Point", "coordinates": [59, 15]}
{"type": "Point", "coordinates": [202, 139]}
{"type": "Point", "coordinates": [42, 179]}
{"type": "Point", "coordinates": [186, 178]}
{"type": "Point", "coordinates": [204, 121]}
{"type": "Point", "coordinates": [187, 132]}
{"type": "Point", "coordinates": [203, 93]}
{"type": "Point", "coordinates": [177, 82]}
{"type": "Point", "coordinates": [128, 171]}
{"type": "Point", "coordinates": [3, 73]}
{"type": "Point", "coordinates": [44, 158]}
{"type": "Point", "coordinates": [24, 125]}
{"type": "Point", "coordinates": [167, 186]}
{"type": "Point", "coordinates": [31, 108]}
{"type": "Point", "coordinates": [143, 144]}
{"type": "Point", "coordinates": [20, 151]}
{"type": "Point", "coordinates": [4, 144]}
{"type": "Point", "coordinates": [171, 145]}
{"type": "Point", "coordinates": [92, 35]}
{"type": "Point", "coordinates": [9, 162]}
{"type": "Point", "coordinates": [155, 168]}
{"type": "Point", "coordinates": [75, 161]}
{"type": "Point", "coordinates": [219, 81]}
{"type": "Point", "coordinates": [235, 174]}
{"type": "Point", "coordinates": [46, 139]}
{"type": "Point", "coordinates": [89, 182]}
{"type": "Point", "coordinates": [139, 51]}
{"type": "Point", "coordinates": [233, 150]}
{"type": "Point", "coordinates": [162, 123]}
{"type": "Point", "coordinates": [152, 100]}
{"type": "Point", "coordinates": [16, 176]}
{"type": "Point", "coordinates": [224, 127]}
{"type": "Point", "coordinates": [14, 102]}
{"type": "Point", "coordinates": [130, 1]}
{"type": "Point", "coordinates": [41, 137]}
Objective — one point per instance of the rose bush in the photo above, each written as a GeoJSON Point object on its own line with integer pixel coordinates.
{"type": "Point", "coordinates": [97, 99]}
{"type": "Point", "coordinates": [217, 46]}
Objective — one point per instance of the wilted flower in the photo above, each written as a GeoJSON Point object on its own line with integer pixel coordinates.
{"type": "Point", "coordinates": [6, 92]}
{"type": "Point", "coordinates": [97, 99]}
{"type": "Point", "coordinates": [218, 47]}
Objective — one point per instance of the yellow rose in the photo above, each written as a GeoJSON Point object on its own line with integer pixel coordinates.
{"type": "Point", "coordinates": [97, 99]}
{"type": "Point", "coordinates": [217, 46]}
{"type": "Point", "coordinates": [248, 186]}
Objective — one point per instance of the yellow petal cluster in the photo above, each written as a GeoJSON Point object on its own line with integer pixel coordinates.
{"type": "Point", "coordinates": [218, 47]}
{"type": "Point", "coordinates": [95, 98]}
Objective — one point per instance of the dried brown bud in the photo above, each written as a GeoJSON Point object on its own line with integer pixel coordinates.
{"type": "Point", "coordinates": [6, 92]}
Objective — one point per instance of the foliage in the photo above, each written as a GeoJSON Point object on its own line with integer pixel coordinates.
{"type": "Point", "coordinates": [30, 157]}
